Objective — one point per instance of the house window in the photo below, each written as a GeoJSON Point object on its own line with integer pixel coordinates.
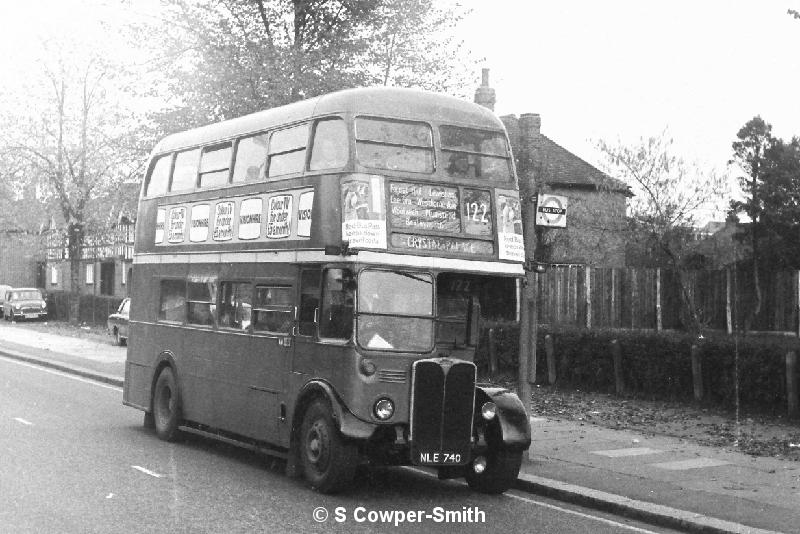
{"type": "Point", "coordinates": [54, 275]}
{"type": "Point", "coordinates": [90, 273]}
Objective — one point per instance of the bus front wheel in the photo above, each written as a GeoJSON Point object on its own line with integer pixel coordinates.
{"type": "Point", "coordinates": [502, 468]}
{"type": "Point", "coordinates": [167, 406]}
{"type": "Point", "coordinates": [329, 461]}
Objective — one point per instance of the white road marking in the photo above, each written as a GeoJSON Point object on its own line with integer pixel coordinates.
{"type": "Point", "coordinates": [147, 471]}
{"type": "Point", "coordinates": [696, 463]}
{"type": "Point", "coordinates": [630, 451]}
{"type": "Point", "coordinates": [23, 421]}
{"type": "Point", "coordinates": [61, 373]}
{"type": "Point", "coordinates": [551, 506]}
{"type": "Point", "coordinates": [580, 514]}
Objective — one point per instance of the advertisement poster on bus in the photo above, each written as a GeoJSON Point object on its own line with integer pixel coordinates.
{"type": "Point", "coordinates": [198, 231]}
{"type": "Point", "coordinates": [363, 212]}
{"type": "Point", "coordinates": [279, 217]}
{"type": "Point", "coordinates": [161, 218]}
{"type": "Point", "coordinates": [509, 231]}
{"type": "Point", "coordinates": [304, 214]}
{"type": "Point", "coordinates": [177, 224]}
{"type": "Point", "coordinates": [250, 218]}
{"type": "Point", "coordinates": [223, 221]}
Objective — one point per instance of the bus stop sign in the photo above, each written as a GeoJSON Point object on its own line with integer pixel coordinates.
{"type": "Point", "coordinates": [551, 210]}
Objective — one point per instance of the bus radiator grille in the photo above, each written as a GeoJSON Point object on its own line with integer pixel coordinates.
{"type": "Point", "coordinates": [443, 395]}
{"type": "Point", "coordinates": [392, 376]}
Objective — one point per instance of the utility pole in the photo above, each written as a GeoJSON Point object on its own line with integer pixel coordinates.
{"type": "Point", "coordinates": [528, 317]}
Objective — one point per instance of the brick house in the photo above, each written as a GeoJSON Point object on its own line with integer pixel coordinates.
{"type": "Point", "coordinates": [596, 202]}
{"type": "Point", "coordinates": [20, 259]}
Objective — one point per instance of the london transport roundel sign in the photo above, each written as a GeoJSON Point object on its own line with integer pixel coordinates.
{"type": "Point", "coordinates": [551, 210]}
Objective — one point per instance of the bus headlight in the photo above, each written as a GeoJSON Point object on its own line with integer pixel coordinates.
{"type": "Point", "coordinates": [489, 410]}
{"type": "Point", "coordinates": [383, 409]}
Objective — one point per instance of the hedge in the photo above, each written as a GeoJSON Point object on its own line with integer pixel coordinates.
{"type": "Point", "coordinates": [658, 365]}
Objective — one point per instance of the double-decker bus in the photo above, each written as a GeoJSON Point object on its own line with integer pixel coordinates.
{"type": "Point", "coordinates": [309, 281]}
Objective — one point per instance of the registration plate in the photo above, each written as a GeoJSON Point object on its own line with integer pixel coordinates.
{"type": "Point", "coordinates": [440, 458]}
{"type": "Point", "coordinates": [31, 315]}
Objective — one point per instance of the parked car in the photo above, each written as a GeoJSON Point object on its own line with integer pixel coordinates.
{"type": "Point", "coordinates": [3, 290]}
{"type": "Point", "coordinates": [24, 303]}
{"type": "Point", "coordinates": [118, 322]}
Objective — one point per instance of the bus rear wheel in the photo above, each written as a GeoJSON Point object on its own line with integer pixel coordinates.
{"type": "Point", "coordinates": [167, 406]}
{"type": "Point", "coordinates": [502, 468]}
{"type": "Point", "coordinates": [329, 461]}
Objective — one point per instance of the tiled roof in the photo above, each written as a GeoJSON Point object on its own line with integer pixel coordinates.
{"type": "Point", "coordinates": [560, 167]}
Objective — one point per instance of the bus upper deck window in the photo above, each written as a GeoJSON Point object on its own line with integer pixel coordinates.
{"type": "Point", "coordinates": [287, 151]}
{"type": "Point", "coordinates": [394, 145]}
{"type": "Point", "coordinates": [215, 165]}
{"type": "Point", "coordinates": [159, 176]}
{"type": "Point", "coordinates": [184, 175]}
{"type": "Point", "coordinates": [251, 158]}
{"type": "Point", "coordinates": [472, 153]}
{"type": "Point", "coordinates": [329, 149]}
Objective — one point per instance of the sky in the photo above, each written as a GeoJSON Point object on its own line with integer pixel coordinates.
{"type": "Point", "coordinates": [594, 70]}
{"type": "Point", "coordinates": [625, 69]}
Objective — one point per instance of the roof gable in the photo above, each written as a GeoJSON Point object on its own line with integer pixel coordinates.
{"type": "Point", "coordinates": [560, 167]}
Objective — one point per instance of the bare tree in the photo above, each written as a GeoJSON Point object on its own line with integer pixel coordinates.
{"type": "Point", "coordinates": [73, 143]}
{"type": "Point", "coordinates": [669, 192]}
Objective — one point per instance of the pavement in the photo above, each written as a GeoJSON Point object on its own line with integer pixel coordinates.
{"type": "Point", "coordinates": [657, 479]}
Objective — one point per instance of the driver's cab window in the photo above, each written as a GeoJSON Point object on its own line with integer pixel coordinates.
{"type": "Point", "coordinates": [338, 305]}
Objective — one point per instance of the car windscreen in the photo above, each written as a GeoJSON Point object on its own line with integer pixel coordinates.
{"type": "Point", "coordinates": [26, 295]}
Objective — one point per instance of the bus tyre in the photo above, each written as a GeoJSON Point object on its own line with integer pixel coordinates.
{"type": "Point", "coordinates": [167, 406]}
{"type": "Point", "coordinates": [502, 468]}
{"type": "Point", "coordinates": [328, 460]}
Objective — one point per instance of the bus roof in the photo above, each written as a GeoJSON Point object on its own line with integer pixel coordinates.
{"type": "Point", "coordinates": [381, 101]}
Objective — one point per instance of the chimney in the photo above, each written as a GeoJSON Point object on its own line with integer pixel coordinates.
{"type": "Point", "coordinates": [530, 125]}
{"type": "Point", "coordinates": [484, 95]}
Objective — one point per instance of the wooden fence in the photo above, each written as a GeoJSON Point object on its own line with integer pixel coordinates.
{"type": "Point", "coordinates": [650, 298]}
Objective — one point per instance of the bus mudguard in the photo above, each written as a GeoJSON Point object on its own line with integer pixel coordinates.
{"type": "Point", "coordinates": [349, 424]}
{"type": "Point", "coordinates": [165, 359]}
{"type": "Point", "coordinates": [511, 415]}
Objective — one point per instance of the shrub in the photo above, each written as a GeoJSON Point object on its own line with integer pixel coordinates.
{"type": "Point", "coordinates": [658, 365]}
